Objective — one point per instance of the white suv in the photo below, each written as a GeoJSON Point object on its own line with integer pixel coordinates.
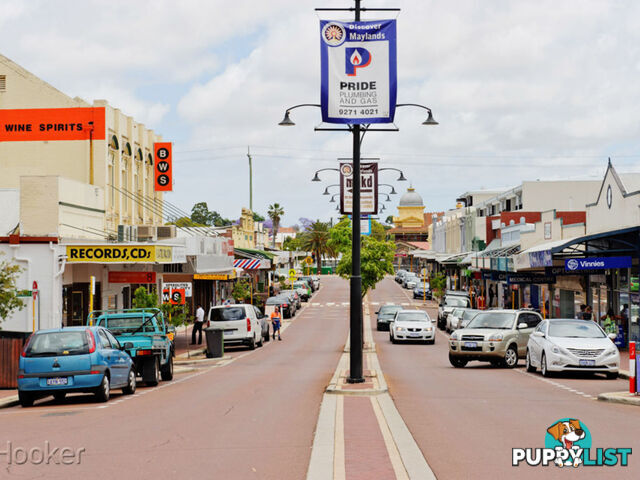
{"type": "Point", "coordinates": [240, 323]}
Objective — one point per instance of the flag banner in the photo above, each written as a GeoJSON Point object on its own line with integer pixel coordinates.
{"type": "Point", "coordinates": [358, 70]}
{"type": "Point", "coordinates": [368, 188]}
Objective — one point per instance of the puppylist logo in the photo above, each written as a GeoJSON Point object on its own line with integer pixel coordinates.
{"type": "Point", "coordinates": [568, 444]}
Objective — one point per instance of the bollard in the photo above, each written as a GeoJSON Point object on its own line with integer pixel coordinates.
{"type": "Point", "coordinates": [632, 368]}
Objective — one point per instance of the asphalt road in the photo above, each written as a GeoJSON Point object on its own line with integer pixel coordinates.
{"type": "Point", "coordinates": [253, 418]}
{"type": "Point", "coordinates": [466, 421]}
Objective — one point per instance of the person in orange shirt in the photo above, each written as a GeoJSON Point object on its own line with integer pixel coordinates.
{"type": "Point", "coordinates": [276, 319]}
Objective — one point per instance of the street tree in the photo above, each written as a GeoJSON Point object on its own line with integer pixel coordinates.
{"type": "Point", "coordinates": [174, 314]}
{"type": "Point", "coordinates": [257, 217]}
{"type": "Point", "coordinates": [316, 239]}
{"type": "Point", "coordinates": [200, 213]}
{"type": "Point", "coordinates": [9, 300]}
{"type": "Point", "coordinates": [275, 213]}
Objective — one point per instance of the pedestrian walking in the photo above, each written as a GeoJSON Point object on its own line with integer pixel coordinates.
{"type": "Point", "coordinates": [491, 295]}
{"type": "Point", "coordinates": [276, 319]}
{"type": "Point", "coordinates": [197, 326]}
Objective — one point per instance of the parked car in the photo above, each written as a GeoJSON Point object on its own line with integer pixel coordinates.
{"type": "Point", "coordinates": [412, 325]}
{"type": "Point", "coordinates": [303, 293]}
{"type": "Point", "coordinates": [386, 315]}
{"type": "Point", "coordinates": [448, 303]}
{"type": "Point", "coordinates": [400, 273]}
{"type": "Point", "coordinates": [453, 319]}
{"type": "Point", "coordinates": [289, 309]}
{"type": "Point", "coordinates": [422, 291]}
{"type": "Point", "coordinates": [296, 297]}
{"type": "Point", "coordinates": [73, 359]}
{"type": "Point", "coordinates": [146, 338]}
{"type": "Point", "coordinates": [467, 316]}
{"type": "Point", "coordinates": [283, 301]}
{"type": "Point", "coordinates": [240, 323]}
{"type": "Point", "coordinates": [303, 284]}
{"type": "Point", "coordinates": [496, 336]}
{"type": "Point", "coordinates": [561, 345]}
{"type": "Point", "coordinates": [410, 280]}
{"type": "Point", "coordinates": [264, 324]}
{"type": "Point", "coordinates": [309, 281]}
{"type": "Point", "coordinates": [316, 281]}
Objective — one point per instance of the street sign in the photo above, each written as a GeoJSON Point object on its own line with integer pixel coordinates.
{"type": "Point", "coordinates": [365, 225]}
{"type": "Point", "coordinates": [24, 293]}
{"type": "Point", "coordinates": [368, 188]}
{"type": "Point", "coordinates": [166, 296]}
{"type": "Point", "coordinates": [423, 272]}
{"type": "Point", "coordinates": [599, 263]}
{"type": "Point", "coordinates": [177, 296]}
{"type": "Point", "coordinates": [35, 289]}
{"type": "Point", "coordinates": [292, 272]}
{"type": "Point", "coordinates": [132, 277]}
{"type": "Point", "coordinates": [308, 261]}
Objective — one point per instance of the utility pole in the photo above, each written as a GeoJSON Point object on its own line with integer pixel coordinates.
{"type": "Point", "coordinates": [250, 180]}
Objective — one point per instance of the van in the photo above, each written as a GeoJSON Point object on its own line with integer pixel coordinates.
{"type": "Point", "coordinates": [240, 323]}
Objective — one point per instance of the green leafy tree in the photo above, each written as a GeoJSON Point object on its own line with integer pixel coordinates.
{"type": "Point", "coordinates": [438, 284]}
{"type": "Point", "coordinates": [340, 236]}
{"type": "Point", "coordinates": [9, 300]}
{"type": "Point", "coordinates": [316, 239]}
{"type": "Point", "coordinates": [241, 291]}
{"type": "Point", "coordinates": [185, 222]}
{"type": "Point", "coordinates": [376, 261]}
{"type": "Point", "coordinates": [275, 213]}
{"type": "Point", "coordinates": [257, 217]}
{"type": "Point", "coordinates": [292, 244]}
{"type": "Point", "coordinates": [144, 299]}
{"type": "Point", "coordinates": [200, 214]}
{"type": "Point", "coordinates": [174, 314]}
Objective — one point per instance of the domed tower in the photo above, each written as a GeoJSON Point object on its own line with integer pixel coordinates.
{"type": "Point", "coordinates": [410, 210]}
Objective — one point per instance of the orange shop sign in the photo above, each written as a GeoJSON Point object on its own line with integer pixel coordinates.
{"type": "Point", "coordinates": [38, 124]}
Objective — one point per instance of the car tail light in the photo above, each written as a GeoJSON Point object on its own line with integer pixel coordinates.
{"type": "Point", "coordinates": [248, 324]}
{"type": "Point", "coordinates": [26, 346]}
{"type": "Point", "coordinates": [20, 376]}
{"type": "Point", "coordinates": [95, 372]}
{"type": "Point", "coordinates": [143, 352]}
{"type": "Point", "coordinates": [92, 341]}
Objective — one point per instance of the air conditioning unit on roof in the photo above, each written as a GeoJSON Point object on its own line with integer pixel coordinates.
{"type": "Point", "coordinates": [147, 233]}
{"type": "Point", "coordinates": [166, 231]}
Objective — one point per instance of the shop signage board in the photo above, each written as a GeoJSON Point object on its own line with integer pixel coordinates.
{"type": "Point", "coordinates": [358, 71]}
{"type": "Point", "coordinates": [186, 286]}
{"type": "Point", "coordinates": [365, 225]}
{"type": "Point", "coordinates": [540, 259]}
{"type": "Point", "coordinates": [368, 188]}
{"type": "Point", "coordinates": [52, 124]}
{"type": "Point", "coordinates": [596, 263]}
{"type": "Point", "coordinates": [163, 167]}
{"type": "Point", "coordinates": [132, 277]}
{"type": "Point", "coordinates": [177, 296]}
{"type": "Point", "coordinates": [119, 254]}
{"type": "Point", "coordinates": [527, 278]}
{"type": "Point", "coordinates": [560, 271]}
{"type": "Point", "coordinates": [215, 276]}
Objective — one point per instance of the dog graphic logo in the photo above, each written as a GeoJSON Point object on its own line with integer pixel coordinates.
{"type": "Point", "coordinates": [568, 436]}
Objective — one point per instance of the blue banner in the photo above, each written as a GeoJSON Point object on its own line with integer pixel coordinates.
{"type": "Point", "coordinates": [358, 71]}
{"type": "Point", "coordinates": [596, 263]}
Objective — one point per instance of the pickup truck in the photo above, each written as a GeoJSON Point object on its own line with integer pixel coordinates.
{"type": "Point", "coordinates": [145, 336]}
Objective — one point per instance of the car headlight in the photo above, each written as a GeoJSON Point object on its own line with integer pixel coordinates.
{"type": "Point", "coordinates": [496, 337]}
{"type": "Point", "coordinates": [555, 349]}
{"type": "Point", "coordinates": [399, 329]}
{"type": "Point", "coordinates": [611, 351]}
{"type": "Point", "coordinates": [454, 336]}
{"type": "Point", "coordinates": [428, 329]}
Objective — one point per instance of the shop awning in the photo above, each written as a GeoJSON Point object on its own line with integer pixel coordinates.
{"type": "Point", "coordinates": [253, 253]}
{"type": "Point", "coordinates": [455, 259]}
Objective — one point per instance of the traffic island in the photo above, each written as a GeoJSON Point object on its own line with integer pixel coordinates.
{"type": "Point", "coordinates": [625, 398]}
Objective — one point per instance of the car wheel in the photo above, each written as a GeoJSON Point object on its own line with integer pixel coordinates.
{"type": "Point", "coordinates": [457, 362]}
{"type": "Point", "coordinates": [378, 327]}
{"type": "Point", "coordinates": [167, 371]}
{"type": "Point", "coordinates": [26, 399]}
{"type": "Point", "coordinates": [511, 357]}
{"type": "Point", "coordinates": [431, 342]}
{"type": "Point", "coordinates": [103, 392]}
{"type": "Point", "coordinates": [252, 344]}
{"type": "Point", "coordinates": [612, 375]}
{"type": "Point", "coordinates": [529, 366]}
{"type": "Point", "coordinates": [268, 337]}
{"type": "Point", "coordinates": [59, 396]}
{"type": "Point", "coordinates": [543, 366]}
{"type": "Point", "coordinates": [130, 389]}
{"type": "Point", "coordinates": [151, 372]}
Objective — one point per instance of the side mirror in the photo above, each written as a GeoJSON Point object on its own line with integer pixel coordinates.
{"type": "Point", "coordinates": [522, 325]}
{"type": "Point", "coordinates": [538, 334]}
{"type": "Point", "coordinates": [612, 336]}
{"type": "Point", "coordinates": [377, 312]}
{"type": "Point", "coordinates": [171, 329]}
{"type": "Point", "coordinates": [127, 346]}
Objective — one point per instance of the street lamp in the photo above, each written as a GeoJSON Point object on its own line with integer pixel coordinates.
{"type": "Point", "coordinates": [355, 298]}
{"type": "Point", "coordinates": [401, 177]}
{"type": "Point", "coordinates": [333, 198]}
{"type": "Point", "coordinates": [388, 199]}
{"type": "Point", "coordinates": [316, 178]}
{"type": "Point", "coordinates": [429, 120]}
{"type": "Point", "coordinates": [326, 190]}
{"type": "Point", "coordinates": [393, 190]}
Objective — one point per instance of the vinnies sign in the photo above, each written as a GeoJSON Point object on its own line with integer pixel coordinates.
{"type": "Point", "coordinates": [358, 71]}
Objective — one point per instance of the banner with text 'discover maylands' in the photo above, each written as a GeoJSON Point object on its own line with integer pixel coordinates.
{"type": "Point", "coordinates": [358, 70]}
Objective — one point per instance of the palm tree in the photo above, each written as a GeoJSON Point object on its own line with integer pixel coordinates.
{"type": "Point", "coordinates": [315, 239]}
{"type": "Point", "coordinates": [275, 212]}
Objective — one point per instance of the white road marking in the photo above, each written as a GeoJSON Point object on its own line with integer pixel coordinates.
{"type": "Point", "coordinates": [556, 384]}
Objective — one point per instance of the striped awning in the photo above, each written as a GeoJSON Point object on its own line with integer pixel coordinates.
{"type": "Point", "coordinates": [247, 263]}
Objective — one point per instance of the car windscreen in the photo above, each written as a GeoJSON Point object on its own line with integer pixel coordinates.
{"type": "Point", "coordinates": [227, 314]}
{"type": "Point", "coordinates": [274, 301]}
{"type": "Point", "coordinates": [389, 310]}
{"type": "Point", "coordinates": [469, 314]}
{"type": "Point", "coordinates": [412, 317]}
{"type": "Point", "coordinates": [118, 325]}
{"type": "Point", "coordinates": [456, 312]}
{"type": "Point", "coordinates": [571, 329]}
{"type": "Point", "coordinates": [503, 320]}
{"type": "Point", "coordinates": [301, 285]}
{"type": "Point", "coordinates": [456, 301]}
{"type": "Point", "coordinates": [58, 343]}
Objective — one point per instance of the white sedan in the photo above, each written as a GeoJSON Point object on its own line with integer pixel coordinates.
{"type": "Point", "coordinates": [558, 345]}
{"type": "Point", "coordinates": [412, 325]}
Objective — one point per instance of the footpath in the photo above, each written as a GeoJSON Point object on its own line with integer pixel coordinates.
{"type": "Point", "coordinates": [360, 433]}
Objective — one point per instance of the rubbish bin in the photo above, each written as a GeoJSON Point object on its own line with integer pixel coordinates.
{"type": "Point", "coordinates": [215, 342]}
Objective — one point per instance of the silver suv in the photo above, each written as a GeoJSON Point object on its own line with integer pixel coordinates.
{"type": "Point", "coordinates": [496, 336]}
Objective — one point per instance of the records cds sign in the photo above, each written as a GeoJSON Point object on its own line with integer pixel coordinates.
{"type": "Point", "coordinates": [358, 69]}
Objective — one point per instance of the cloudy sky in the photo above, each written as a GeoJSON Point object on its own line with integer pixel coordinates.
{"type": "Point", "coordinates": [522, 90]}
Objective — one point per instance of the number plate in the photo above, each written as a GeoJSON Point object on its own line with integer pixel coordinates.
{"type": "Point", "coordinates": [471, 344]}
{"type": "Point", "coordinates": [229, 332]}
{"type": "Point", "coordinates": [587, 363]}
{"type": "Point", "coordinates": [57, 381]}
{"type": "Point", "coordinates": [415, 334]}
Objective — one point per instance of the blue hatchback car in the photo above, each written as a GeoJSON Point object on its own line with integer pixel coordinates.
{"type": "Point", "coordinates": [73, 359]}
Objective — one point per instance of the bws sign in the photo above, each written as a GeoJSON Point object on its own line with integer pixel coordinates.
{"type": "Point", "coordinates": [51, 124]}
{"type": "Point", "coordinates": [163, 167]}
